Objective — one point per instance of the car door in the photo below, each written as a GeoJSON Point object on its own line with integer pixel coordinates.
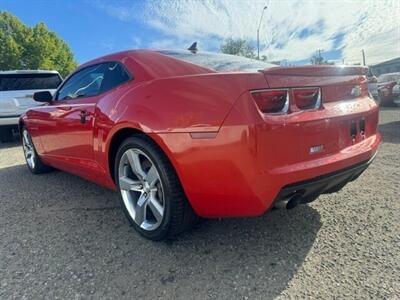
{"type": "Point", "coordinates": [68, 124]}
{"type": "Point", "coordinates": [67, 128]}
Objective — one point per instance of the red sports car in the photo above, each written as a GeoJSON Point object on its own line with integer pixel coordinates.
{"type": "Point", "coordinates": [181, 135]}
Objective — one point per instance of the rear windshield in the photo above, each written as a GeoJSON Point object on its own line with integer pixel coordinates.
{"type": "Point", "coordinates": [17, 82]}
{"type": "Point", "coordinates": [218, 61]}
{"type": "Point", "coordinates": [389, 77]}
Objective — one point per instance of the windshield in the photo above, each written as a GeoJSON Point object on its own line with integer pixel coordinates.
{"type": "Point", "coordinates": [218, 61]}
{"type": "Point", "coordinates": [17, 82]}
{"type": "Point", "coordinates": [389, 77]}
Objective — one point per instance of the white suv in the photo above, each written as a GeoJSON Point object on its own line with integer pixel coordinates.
{"type": "Point", "coordinates": [16, 95]}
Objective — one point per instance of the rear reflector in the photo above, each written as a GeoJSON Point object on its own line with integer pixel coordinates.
{"type": "Point", "coordinates": [307, 98]}
{"type": "Point", "coordinates": [272, 101]}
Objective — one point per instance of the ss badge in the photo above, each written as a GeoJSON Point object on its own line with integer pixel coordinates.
{"type": "Point", "coordinates": [356, 91]}
{"type": "Point", "coordinates": [316, 149]}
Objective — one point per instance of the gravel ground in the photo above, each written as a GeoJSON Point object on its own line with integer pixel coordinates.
{"type": "Point", "coordinates": [64, 237]}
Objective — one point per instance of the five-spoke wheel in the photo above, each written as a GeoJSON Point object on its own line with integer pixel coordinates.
{"type": "Point", "coordinates": [33, 161]}
{"type": "Point", "coordinates": [151, 195]}
{"type": "Point", "coordinates": [29, 151]}
{"type": "Point", "coordinates": [141, 189]}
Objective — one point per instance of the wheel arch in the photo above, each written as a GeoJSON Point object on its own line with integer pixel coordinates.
{"type": "Point", "coordinates": [21, 124]}
{"type": "Point", "coordinates": [118, 138]}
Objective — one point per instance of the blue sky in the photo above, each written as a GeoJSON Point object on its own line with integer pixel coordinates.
{"type": "Point", "coordinates": [291, 30]}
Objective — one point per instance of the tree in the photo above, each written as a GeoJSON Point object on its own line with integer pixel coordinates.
{"type": "Point", "coordinates": [22, 47]}
{"type": "Point", "coordinates": [238, 47]}
{"type": "Point", "coordinates": [317, 59]}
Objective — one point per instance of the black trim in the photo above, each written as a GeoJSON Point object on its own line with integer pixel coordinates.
{"type": "Point", "coordinates": [333, 182]}
{"type": "Point", "coordinates": [13, 116]}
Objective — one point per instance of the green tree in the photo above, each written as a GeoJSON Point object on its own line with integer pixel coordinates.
{"type": "Point", "coordinates": [238, 47]}
{"type": "Point", "coordinates": [10, 53]}
{"type": "Point", "coordinates": [22, 47]}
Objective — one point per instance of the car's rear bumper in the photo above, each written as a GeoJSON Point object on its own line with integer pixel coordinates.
{"type": "Point", "coordinates": [222, 182]}
{"type": "Point", "coordinates": [308, 190]}
{"type": "Point", "coordinates": [9, 120]}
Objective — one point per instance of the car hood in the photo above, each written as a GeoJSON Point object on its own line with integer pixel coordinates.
{"type": "Point", "coordinates": [16, 102]}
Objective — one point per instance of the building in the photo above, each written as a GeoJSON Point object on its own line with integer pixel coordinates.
{"type": "Point", "coordinates": [389, 66]}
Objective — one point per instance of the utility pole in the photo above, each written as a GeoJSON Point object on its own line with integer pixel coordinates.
{"type": "Point", "coordinates": [319, 59]}
{"type": "Point", "coordinates": [258, 33]}
{"type": "Point", "coordinates": [363, 54]}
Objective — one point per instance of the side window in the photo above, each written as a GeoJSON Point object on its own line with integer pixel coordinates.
{"type": "Point", "coordinates": [85, 83]}
{"type": "Point", "coordinates": [114, 76]}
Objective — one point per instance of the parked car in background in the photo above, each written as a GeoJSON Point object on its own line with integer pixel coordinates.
{"type": "Point", "coordinates": [373, 86]}
{"type": "Point", "coordinates": [181, 134]}
{"type": "Point", "coordinates": [386, 83]}
{"type": "Point", "coordinates": [396, 94]}
{"type": "Point", "coordinates": [16, 95]}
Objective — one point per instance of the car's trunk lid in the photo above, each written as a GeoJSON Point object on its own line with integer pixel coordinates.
{"type": "Point", "coordinates": [336, 83]}
{"type": "Point", "coordinates": [342, 120]}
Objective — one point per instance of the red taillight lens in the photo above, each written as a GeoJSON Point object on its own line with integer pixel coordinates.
{"type": "Point", "coordinates": [272, 102]}
{"type": "Point", "coordinates": [307, 98]}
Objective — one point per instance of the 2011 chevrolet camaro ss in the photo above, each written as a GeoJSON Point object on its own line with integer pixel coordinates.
{"type": "Point", "coordinates": [182, 135]}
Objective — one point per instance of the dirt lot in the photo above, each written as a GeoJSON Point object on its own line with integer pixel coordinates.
{"type": "Point", "coordinates": [63, 237]}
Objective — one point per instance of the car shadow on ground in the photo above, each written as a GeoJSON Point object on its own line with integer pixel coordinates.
{"type": "Point", "coordinates": [67, 225]}
{"type": "Point", "coordinates": [14, 143]}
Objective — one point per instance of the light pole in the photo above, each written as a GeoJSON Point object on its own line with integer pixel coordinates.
{"type": "Point", "coordinates": [363, 55]}
{"type": "Point", "coordinates": [258, 33]}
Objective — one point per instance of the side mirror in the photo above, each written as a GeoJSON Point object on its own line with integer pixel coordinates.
{"type": "Point", "coordinates": [44, 96]}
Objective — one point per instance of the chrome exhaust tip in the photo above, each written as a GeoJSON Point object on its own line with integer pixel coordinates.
{"type": "Point", "coordinates": [281, 204]}
{"type": "Point", "coordinates": [289, 203]}
{"type": "Point", "coordinates": [294, 201]}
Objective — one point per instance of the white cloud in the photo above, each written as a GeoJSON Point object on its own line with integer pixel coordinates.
{"type": "Point", "coordinates": [136, 42]}
{"type": "Point", "coordinates": [291, 30]}
{"type": "Point", "coordinates": [108, 45]}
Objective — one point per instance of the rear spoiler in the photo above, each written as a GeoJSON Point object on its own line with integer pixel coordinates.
{"type": "Point", "coordinates": [316, 70]}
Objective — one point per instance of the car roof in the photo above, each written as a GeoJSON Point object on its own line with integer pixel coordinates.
{"type": "Point", "coordinates": [154, 63]}
{"type": "Point", "coordinates": [29, 72]}
{"type": "Point", "coordinates": [151, 63]}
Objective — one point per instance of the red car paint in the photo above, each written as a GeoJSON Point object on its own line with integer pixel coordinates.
{"type": "Point", "coordinates": [231, 159]}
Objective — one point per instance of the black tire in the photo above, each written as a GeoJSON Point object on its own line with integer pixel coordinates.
{"type": "Point", "coordinates": [6, 134]}
{"type": "Point", "coordinates": [178, 213]}
{"type": "Point", "coordinates": [37, 167]}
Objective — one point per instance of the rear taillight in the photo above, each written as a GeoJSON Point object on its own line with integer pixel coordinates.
{"type": "Point", "coordinates": [272, 101]}
{"type": "Point", "coordinates": [307, 98]}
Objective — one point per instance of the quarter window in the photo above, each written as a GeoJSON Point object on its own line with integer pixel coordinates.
{"type": "Point", "coordinates": [114, 76]}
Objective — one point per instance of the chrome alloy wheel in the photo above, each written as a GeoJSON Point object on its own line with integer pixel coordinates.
{"type": "Point", "coordinates": [141, 189]}
{"type": "Point", "coordinates": [29, 150]}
